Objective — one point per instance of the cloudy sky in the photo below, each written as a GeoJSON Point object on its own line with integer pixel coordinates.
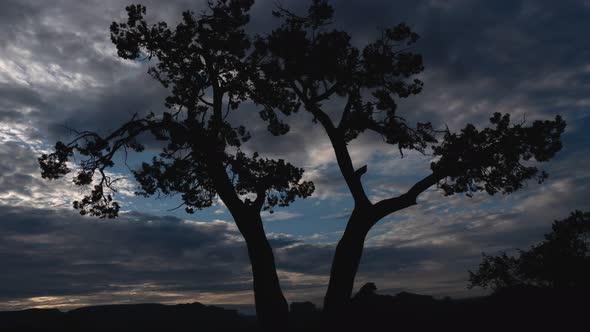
{"type": "Point", "coordinates": [58, 69]}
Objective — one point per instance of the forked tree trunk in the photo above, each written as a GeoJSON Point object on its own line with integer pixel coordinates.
{"type": "Point", "coordinates": [348, 253]}
{"type": "Point", "coordinates": [272, 310]}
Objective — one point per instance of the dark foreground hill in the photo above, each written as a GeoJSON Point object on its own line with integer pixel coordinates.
{"type": "Point", "coordinates": [520, 309]}
{"type": "Point", "coordinates": [516, 309]}
{"type": "Point", "coordinates": [131, 317]}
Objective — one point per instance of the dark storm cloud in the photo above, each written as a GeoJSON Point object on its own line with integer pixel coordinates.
{"type": "Point", "coordinates": [59, 253]}
{"type": "Point", "coordinates": [511, 56]}
{"type": "Point", "coordinates": [13, 97]}
{"type": "Point", "coordinates": [17, 163]}
{"type": "Point", "coordinates": [480, 57]}
{"type": "Point", "coordinates": [56, 253]}
{"type": "Point", "coordinates": [57, 59]}
{"type": "Point", "coordinates": [278, 241]}
{"type": "Point", "coordinates": [507, 40]}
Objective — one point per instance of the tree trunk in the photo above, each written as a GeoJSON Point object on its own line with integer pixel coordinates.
{"type": "Point", "coordinates": [350, 248]}
{"type": "Point", "coordinates": [272, 310]}
{"type": "Point", "coordinates": [347, 258]}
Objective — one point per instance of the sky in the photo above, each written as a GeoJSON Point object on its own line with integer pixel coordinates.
{"type": "Point", "coordinates": [58, 70]}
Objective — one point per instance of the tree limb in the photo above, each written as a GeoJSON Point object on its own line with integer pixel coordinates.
{"type": "Point", "coordinates": [393, 204]}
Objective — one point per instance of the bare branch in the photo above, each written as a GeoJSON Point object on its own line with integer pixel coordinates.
{"type": "Point", "coordinates": [391, 205]}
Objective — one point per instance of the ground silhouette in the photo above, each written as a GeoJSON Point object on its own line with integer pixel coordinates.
{"type": "Point", "coordinates": [131, 317]}
{"type": "Point", "coordinates": [515, 309]}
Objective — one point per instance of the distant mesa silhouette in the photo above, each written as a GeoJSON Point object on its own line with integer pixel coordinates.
{"type": "Point", "coordinates": [523, 308]}
{"type": "Point", "coordinates": [129, 317]}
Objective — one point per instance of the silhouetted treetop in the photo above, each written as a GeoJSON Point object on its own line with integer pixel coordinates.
{"type": "Point", "coordinates": [313, 63]}
{"type": "Point", "coordinates": [492, 159]}
{"type": "Point", "coordinates": [206, 65]}
{"type": "Point", "coordinates": [561, 261]}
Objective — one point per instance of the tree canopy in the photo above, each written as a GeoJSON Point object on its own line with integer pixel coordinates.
{"type": "Point", "coordinates": [320, 68]}
{"type": "Point", "coordinates": [561, 261]}
{"type": "Point", "coordinates": [198, 63]}
{"type": "Point", "coordinates": [313, 64]}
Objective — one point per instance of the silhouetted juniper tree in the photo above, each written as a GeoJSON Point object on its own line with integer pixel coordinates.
{"type": "Point", "coordinates": [561, 261]}
{"type": "Point", "coordinates": [211, 66]}
{"type": "Point", "coordinates": [206, 64]}
{"type": "Point", "coordinates": [313, 64]}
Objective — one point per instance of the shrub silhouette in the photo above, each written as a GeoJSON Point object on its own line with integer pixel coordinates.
{"type": "Point", "coordinates": [561, 261]}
